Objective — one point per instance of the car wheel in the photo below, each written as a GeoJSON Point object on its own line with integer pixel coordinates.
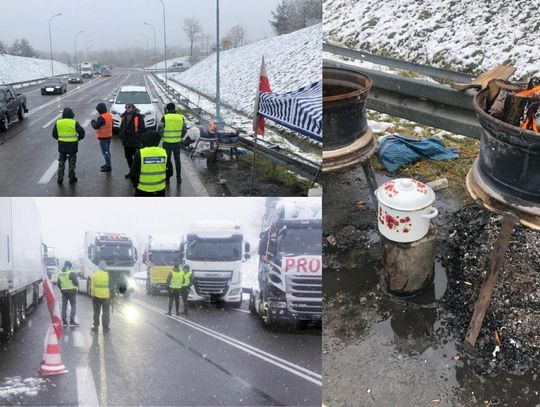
{"type": "Point", "coordinates": [20, 114]}
{"type": "Point", "coordinates": [4, 124]}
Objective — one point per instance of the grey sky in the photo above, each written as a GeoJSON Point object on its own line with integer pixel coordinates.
{"type": "Point", "coordinates": [65, 220]}
{"type": "Point", "coordinates": [111, 24]}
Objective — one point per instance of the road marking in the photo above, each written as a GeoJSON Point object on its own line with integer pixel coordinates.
{"type": "Point", "coordinates": [78, 339]}
{"type": "Point", "coordinates": [242, 310]}
{"type": "Point", "coordinates": [50, 122]}
{"type": "Point", "coordinates": [293, 368]}
{"type": "Point", "coordinates": [86, 388]}
{"type": "Point", "coordinates": [49, 173]}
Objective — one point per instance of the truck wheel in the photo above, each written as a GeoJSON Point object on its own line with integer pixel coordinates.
{"type": "Point", "coordinates": [149, 289]}
{"type": "Point", "coordinates": [237, 304]}
{"type": "Point", "coordinates": [127, 294]}
{"type": "Point", "coordinates": [88, 286]}
{"type": "Point", "coordinates": [252, 309]}
{"type": "Point", "coordinates": [20, 114]}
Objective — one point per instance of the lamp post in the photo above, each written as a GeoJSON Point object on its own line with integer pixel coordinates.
{"type": "Point", "coordinates": [146, 38]}
{"type": "Point", "coordinates": [154, 30]}
{"type": "Point", "coordinates": [50, 41]}
{"type": "Point", "coordinates": [76, 54]}
{"type": "Point", "coordinates": [164, 40]}
{"type": "Point", "coordinates": [217, 62]}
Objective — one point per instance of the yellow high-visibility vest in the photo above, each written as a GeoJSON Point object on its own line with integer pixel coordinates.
{"type": "Point", "coordinates": [172, 132]}
{"type": "Point", "coordinates": [65, 281]}
{"type": "Point", "coordinates": [176, 280]}
{"type": "Point", "coordinates": [100, 285]}
{"type": "Point", "coordinates": [66, 129]}
{"type": "Point", "coordinates": [153, 169]}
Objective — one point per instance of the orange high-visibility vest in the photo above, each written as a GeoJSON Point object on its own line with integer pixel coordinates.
{"type": "Point", "coordinates": [105, 131]}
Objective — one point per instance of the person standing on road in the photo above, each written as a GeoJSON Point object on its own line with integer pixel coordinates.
{"type": "Point", "coordinates": [172, 129]}
{"type": "Point", "coordinates": [68, 283]}
{"type": "Point", "coordinates": [103, 125]}
{"type": "Point", "coordinates": [186, 285]}
{"type": "Point", "coordinates": [174, 287]}
{"type": "Point", "coordinates": [150, 168]}
{"type": "Point", "coordinates": [131, 129]}
{"type": "Point", "coordinates": [68, 132]}
{"type": "Point", "coordinates": [101, 293]}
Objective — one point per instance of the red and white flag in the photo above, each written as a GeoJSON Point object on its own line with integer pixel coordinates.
{"type": "Point", "coordinates": [264, 86]}
{"type": "Point", "coordinates": [52, 303]}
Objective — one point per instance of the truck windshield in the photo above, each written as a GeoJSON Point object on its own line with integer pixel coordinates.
{"type": "Point", "coordinates": [164, 258]}
{"type": "Point", "coordinates": [51, 261]}
{"type": "Point", "coordinates": [214, 250]}
{"type": "Point", "coordinates": [299, 239]}
{"type": "Point", "coordinates": [133, 97]}
{"type": "Point", "coordinates": [114, 252]}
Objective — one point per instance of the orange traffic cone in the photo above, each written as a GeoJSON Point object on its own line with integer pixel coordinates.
{"type": "Point", "coordinates": [51, 363]}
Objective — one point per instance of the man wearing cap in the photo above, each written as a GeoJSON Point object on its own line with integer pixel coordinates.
{"type": "Point", "coordinates": [172, 129]}
{"type": "Point", "coordinates": [174, 286]}
{"type": "Point", "coordinates": [187, 279]}
{"type": "Point", "coordinates": [131, 129]}
{"type": "Point", "coordinates": [150, 168]}
{"type": "Point", "coordinates": [101, 293]}
{"type": "Point", "coordinates": [68, 282]}
{"type": "Point", "coordinates": [68, 132]}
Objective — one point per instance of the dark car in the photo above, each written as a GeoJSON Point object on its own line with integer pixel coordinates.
{"type": "Point", "coordinates": [75, 78]}
{"type": "Point", "coordinates": [52, 86]}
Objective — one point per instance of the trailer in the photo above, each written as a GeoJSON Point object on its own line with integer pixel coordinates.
{"type": "Point", "coordinates": [290, 263]}
{"type": "Point", "coordinates": [215, 251]}
{"type": "Point", "coordinates": [160, 253]}
{"type": "Point", "coordinates": [119, 255]}
{"type": "Point", "coordinates": [21, 262]}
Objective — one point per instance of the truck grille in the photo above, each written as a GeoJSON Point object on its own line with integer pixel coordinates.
{"type": "Point", "coordinates": [304, 294]}
{"type": "Point", "coordinates": [211, 286]}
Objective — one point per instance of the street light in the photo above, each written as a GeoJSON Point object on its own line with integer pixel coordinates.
{"type": "Point", "coordinates": [146, 38]}
{"type": "Point", "coordinates": [76, 54]}
{"type": "Point", "coordinates": [217, 62]}
{"type": "Point", "coordinates": [164, 40]}
{"type": "Point", "coordinates": [50, 41]}
{"type": "Point", "coordinates": [153, 29]}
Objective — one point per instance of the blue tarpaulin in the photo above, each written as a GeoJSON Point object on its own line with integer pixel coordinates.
{"type": "Point", "coordinates": [396, 151]}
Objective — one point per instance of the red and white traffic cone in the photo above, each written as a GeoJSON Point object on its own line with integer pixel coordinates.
{"type": "Point", "coordinates": [51, 363]}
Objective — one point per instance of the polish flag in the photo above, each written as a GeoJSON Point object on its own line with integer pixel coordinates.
{"type": "Point", "coordinates": [264, 86]}
{"type": "Point", "coordinates": [52, 303]}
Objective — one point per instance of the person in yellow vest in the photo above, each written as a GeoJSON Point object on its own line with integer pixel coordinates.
{"type": "Point", "coordinates": [187, 283]}
{"type": "Point", "coordinates": [172, 130]}
{"type": "Point", "coordinates": [68, 132]}
{"type": "Point", "coordinates": [67, 283]}
{"type": "Point", "coordinates": [150, 168]}
{"type": "Point", "coordinates": [175, 282]}
{"type": "Point", "coordinates": [103, 125]}
{"type": "Point", "coordinates": [100, 292]}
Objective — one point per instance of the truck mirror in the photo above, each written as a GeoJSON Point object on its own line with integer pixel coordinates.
{"type": "Point", "coordinates": [247, 247]}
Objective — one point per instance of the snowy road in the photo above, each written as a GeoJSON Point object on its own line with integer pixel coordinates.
{"type": "Point", "coordinates": [216, 356]}
{"type": "Point", "coordinates": [28, 153]}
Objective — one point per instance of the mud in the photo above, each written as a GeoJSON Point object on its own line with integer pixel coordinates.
{"type": "Point", "coordinates": [379, 350]}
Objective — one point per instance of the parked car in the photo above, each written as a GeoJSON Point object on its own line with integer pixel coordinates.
{"type": "Point", "coordinates": [75, 78]}
{"type": "Point", "coordinates": [140, 97]}
{"type": "Point", "coordinates": [12, 105]}
{"type": "Point", "coordinates": [53, 86]}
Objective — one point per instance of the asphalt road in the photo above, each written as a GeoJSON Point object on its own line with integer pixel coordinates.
{"type": "Point", "coordinates": [28, 153]}
{"type": "Point", "coordinates": [215, 356]}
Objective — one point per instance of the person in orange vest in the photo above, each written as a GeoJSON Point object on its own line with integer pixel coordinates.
{"type": "Point", "coordinates": [103, 126]}
{"type": "Point", "coordinates": [131, 129]}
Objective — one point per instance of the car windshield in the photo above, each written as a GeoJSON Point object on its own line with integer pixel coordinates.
{"type": "Point", "coordinates": [132, 97]}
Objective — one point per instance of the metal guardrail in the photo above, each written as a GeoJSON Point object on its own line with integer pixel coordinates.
{"type": "Point", "coordinates": [291, 161]}
{"type": "Point", "coordinates": [420, 101]}
{"type": "Point", "coordinates": [18, 85]}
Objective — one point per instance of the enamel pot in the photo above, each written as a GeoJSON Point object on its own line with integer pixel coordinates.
{"type": "Point", "coordinates": [405, 210]}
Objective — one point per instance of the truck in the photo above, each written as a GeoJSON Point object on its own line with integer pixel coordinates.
{"type": "Point", "coordinates": [215, 252]}
{"type": "Point", "coordinates": [87, 70]}
{"type": "Point", "coordinates": [159, 255]}
{"type": "Point", "coordinates": [52, 263]}
{"type": "Point", "coordinates": [21, 262]}
{"type": "Point", "coordinates": [12, 106]}
{"type": "Point", "coordinates": [290, 263]}
{"type": "Point", "coordinates": [119, 255]}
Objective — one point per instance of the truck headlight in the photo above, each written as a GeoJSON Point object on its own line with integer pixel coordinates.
{"type": "Point", "coordinates": [235, 291]}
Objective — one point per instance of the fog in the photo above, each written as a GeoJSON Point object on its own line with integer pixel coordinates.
{"type": "Point", "coordinates": [119, 24]}
{"type": "Point", "coordinates": [65, 220]}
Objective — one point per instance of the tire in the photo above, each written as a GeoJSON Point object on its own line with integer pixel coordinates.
{"type": "Point", "coordinates": [237, 304]}
{"type": "Point", "coordinates": [20, 114]}
{"type": "Point", "coordinates": [127, 294]}
{"type": "Point", "coordinates": [252, 309]}
{"type": "Point", "coordinates": [88, 287]}
{"type": "Point", "coordinates": [4, 124]}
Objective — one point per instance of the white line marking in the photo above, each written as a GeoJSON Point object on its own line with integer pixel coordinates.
{"type": "Point", "coordinates": [50, 122]}
{"type": "Point", "coordinates": [242, 310]}
{"type": "Point", "coordinates": [78, 339]}
{"type": "Point", "coordinates": [86, 388]}
{"type": "Point", "coordinates": [49, 173]}
{"type": "Point", "coordinates": [293, 368]}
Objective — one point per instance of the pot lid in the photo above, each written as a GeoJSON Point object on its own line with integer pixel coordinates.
{"type": "Point", "coordinates": [405, 194]}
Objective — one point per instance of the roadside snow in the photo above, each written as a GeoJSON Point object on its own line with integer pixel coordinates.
{"type": "Point", "coordinates": [16, 386]}
{"type": "Point", "coordinates": [170, 62]}
{"type": "Point", "coordinates": [19, 69]}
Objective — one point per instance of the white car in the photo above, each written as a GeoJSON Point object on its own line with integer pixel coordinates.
{"type": "Point", "coordinates": [139, 96]}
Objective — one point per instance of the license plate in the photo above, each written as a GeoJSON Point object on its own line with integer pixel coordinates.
{"type": "Point", "coordinates": [49, 89]}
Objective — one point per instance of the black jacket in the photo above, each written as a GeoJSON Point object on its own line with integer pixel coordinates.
{"type": "Point", "coordinates": [100, 121]}
{"type": "Point", "coordinates": [68, 148]}
{"type": "Point", "coordinates": [130, 137]}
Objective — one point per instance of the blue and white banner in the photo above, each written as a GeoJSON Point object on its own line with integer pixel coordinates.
{"type": "Point", "coordinates": [300, 110]}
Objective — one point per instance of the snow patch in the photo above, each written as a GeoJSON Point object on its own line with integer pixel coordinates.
{"type": "Point", "coordinates": [19, 69]}
{"type": "Point", "coordinates": [16, 386]}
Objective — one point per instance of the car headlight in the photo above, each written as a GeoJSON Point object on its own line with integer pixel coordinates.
{"type": "Point", "coordinates": [57, 87]}
{"type": "Point", "coordinates": [148, 113]}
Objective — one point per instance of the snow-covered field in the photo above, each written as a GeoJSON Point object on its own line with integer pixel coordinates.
{"type": "Point", "coordinates": [461, 35]}
{"type": "Point", "coordinates": [19, 69]}
{"type": "Point", "coordinates": [170, 62]}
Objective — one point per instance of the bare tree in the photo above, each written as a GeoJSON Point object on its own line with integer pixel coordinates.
{"type": "Point", "coordinates": [293, 15]}
{"type": "Point", "coordinates": [192, 27]}
{"type": "Point", "coordinates": [226, 43]}
{"type": "Point", "coordinates": [3, 49]}
{"type": "Point", "coordinates": [237, 35]}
